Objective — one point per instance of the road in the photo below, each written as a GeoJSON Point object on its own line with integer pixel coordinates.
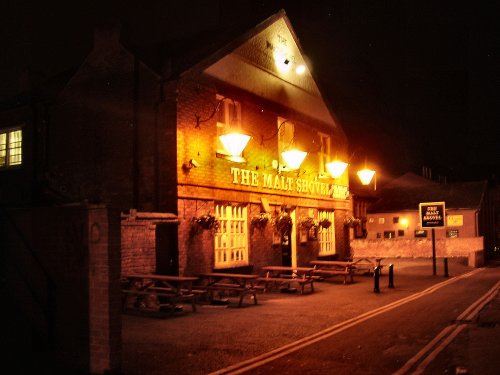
{"type": "Point", "coordinates": [383, 341]}
{"type": "Point", "coordinates": [338, 329]}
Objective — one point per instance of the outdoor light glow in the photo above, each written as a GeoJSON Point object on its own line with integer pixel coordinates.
{"type": "Point", "coordinates": [234, 143]}
{"type": "Point", "coordinates": [294, 158]}
{"type": "Point", "coordinates": [366, 176]}
{"type": "Point", "coordinates": [404, 222]}
{"type": "Point", "coordinates": [282, 62]}
{"type": "Point", "coordinates": [300, 69]}
{"type": "Point", "coordinates": [336, 168]}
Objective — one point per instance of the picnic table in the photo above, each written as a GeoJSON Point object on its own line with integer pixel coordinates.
{"type": "Point", "coordinates": [229, 283]}
{"type": "Point", "coordinates": [368, 265]}
{"type": "Point", "coordinates": [167, 290]}
{"type": "Point", "coordinates": [279, 276]}
{"type": "Point", "coordinates": [331, 268]}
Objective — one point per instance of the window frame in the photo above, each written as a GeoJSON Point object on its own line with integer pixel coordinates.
{"type": "Point", "coordinates": [326, 236]}
{"type": "Point", "coordinates": [231, 247]}
{"type": "Point", "coordinates": [6, 148]}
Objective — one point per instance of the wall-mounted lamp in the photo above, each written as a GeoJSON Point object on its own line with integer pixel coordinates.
{"type": "Point", "coordinates": [336, 168]}
{"type": "Point", "coordinates": [404, 223]}
{"type": "Point", "coordinates": [366, 175]}
{"type": "Point", "coordinates": [293, 158]}
{"type": "Point", "coordinates": [234, 143]}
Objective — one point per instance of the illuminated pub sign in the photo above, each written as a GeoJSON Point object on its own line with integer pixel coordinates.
{"type": "Point", "coordinates": [432, 214]}
{"type": "Point", "coordinates": [279, 182]}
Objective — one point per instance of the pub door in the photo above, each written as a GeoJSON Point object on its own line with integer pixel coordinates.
{"type": "Point", "coordinates": [167, 251]}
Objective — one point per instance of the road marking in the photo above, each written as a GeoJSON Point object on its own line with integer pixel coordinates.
{"type": "Point", "coordinates": [447, 335]}
{"type": "Point", "coordinates": [270, 356]}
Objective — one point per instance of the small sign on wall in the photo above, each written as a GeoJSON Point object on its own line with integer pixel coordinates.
{"type": "Point", "coordinates": [455, 220]}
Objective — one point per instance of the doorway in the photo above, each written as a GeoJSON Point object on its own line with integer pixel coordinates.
{"type": "Point", "coordinates": [167, 253]}
{"type": "Point", "coordinates": [289, 245]}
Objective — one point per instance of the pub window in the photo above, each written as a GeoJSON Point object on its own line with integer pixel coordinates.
{"type": "Point", "coordinates": [389, 234]}
{"type": "Point", "coordinates": [326, 236]}
{"type": "Point", "coordinates": [395, 220]}
{"type": "Point", "coordinates": [324, 152]}
{"type": "Point", "coordinates": [231, 239]}
{"type": "Point", "coordinates": [452, 233]}
{"type": "Point", "coordinates": [381, 220]}
{"type": "Point", "coordinates": [11, 151]}
{"type": "Point", "coordinates": [228, 117]}
{"type": "Point", "coordinates": [401, 233]}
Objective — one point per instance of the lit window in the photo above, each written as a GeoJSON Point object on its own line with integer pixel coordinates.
{"type": "Point", "coordinates": [326, 236]}
{"type": "Point", "coordinates": [231, 239]}
{"type": "Point", "coordinates": [324, 152]}
{"type": "Point", "coordinates": [11, 152]}
{"type": "Point", "coordinates": [381, 220]}
{"type": "Point", "coordinates": [228, 117]}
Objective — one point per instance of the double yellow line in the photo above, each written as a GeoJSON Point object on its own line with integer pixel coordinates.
{"type": "Point", "coordinates": [282, 351]}
{"type": "Point", "coordinates": [447, 335]}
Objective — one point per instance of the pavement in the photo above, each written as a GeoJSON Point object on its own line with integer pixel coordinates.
{"type": "Point", "coordinates": [175, 344]}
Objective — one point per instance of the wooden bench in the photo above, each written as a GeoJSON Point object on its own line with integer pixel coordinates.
{"type": "Point", "coordinates": [346, 273]}
{"type": "Point", "coordinates": [170, 297]}
{"type": "Point", "coordinates": [237, 289]}
{"type": "Point", "coordinates": [285, 279]}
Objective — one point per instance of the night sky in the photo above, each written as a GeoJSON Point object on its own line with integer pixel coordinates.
{"type": "Point", "coordinates": [413, 83]}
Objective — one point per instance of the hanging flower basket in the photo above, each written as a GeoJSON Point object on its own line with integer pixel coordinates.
{"type": "Point", "coordinates": [283, 223]}
{"type": "Point", "coordinates": [307, 222]}
{"type": "Point", "coordinates": [351, 222]}
{"type": "Point", "coordinates": [261, 220]}
{"type": "Point", "coordinates": [207, 222]}
{"type": "Point", "coordinates": [325, 223]}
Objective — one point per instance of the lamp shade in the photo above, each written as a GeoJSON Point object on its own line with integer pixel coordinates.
{"type": "Point", "coordinates": [366, 175]}
{"type": "Point", "coordinates": [234, 143]}
{"type": "Point", "coordinates": [336, 168]}
{"type": "Point", "coordinates": [293, 158]}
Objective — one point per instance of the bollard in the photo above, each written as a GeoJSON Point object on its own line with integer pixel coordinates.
{"type": "Point", "coordinates": [391, 275]}
{"type": "Point", "coordinates": [376, 277]}
{"type": "Point", "coordinates": [446, 267]}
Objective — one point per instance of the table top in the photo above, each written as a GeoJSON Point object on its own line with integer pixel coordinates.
{"type": "Point", "coordinates": [287, 268]}
{"type": "Point", "coordinates": [229, 275]}
{"type": "Point", "coordinates": [153, 276]}
{"type": "Point", "coordinates": [331, 263]}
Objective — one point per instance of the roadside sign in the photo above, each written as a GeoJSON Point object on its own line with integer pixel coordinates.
{"type": "Point", "coordinates": [432, 214]}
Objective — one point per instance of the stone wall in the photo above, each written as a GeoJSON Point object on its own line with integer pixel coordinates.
{"type": "Point", "coordinates": [414, 248]}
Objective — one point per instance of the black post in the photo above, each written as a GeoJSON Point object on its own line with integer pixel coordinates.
{"type": "Point", "coordinates": [433, 251]}
{"type": "Point", "coordinates": [391, 276]}
{"type": "Point", "coordinates": [376, 277]}
{"type": "Point", "coordinates": [446, 267]}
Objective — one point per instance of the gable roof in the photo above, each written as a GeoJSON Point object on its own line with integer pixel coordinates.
{"type": "Point", "coordinates": [465, 195]}
{"type": "Point", "coordinates": [248, 59]}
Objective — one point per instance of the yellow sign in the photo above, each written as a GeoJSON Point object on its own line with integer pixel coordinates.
{"type": "Point", "coordinates": [455, 220]}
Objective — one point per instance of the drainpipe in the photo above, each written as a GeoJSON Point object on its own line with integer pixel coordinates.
{"type": "Point", "coordinates": [476, 221]}
{"type": "Point", "coordinates": [135, 134]}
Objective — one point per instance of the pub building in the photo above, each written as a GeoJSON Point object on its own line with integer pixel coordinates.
{"type": "Point", "coordinates": [260, 89]}
{"type": "Point", "coordinates": [223, 155]}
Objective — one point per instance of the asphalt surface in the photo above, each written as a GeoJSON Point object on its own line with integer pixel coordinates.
{"type": "Point", "coordinates": [216, 337]}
